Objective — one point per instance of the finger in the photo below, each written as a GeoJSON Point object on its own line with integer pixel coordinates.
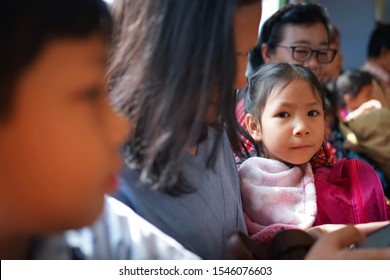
{"type": "Point", "coordinates": [326, 228]}
{"type": "Point", "coordinates": [334, 245]}
{"type": "Point", "coordinates": [344, 237]}
{"type": "Point", "coordinates": [316, 232]}
{"type": "Point", "coordinates": [370, 227]}
{"type": "Point", "coordinates": [367, 254]}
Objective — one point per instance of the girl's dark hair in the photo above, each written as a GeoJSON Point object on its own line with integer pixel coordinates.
{"type": "Point", "coordinates": [271, 77]}
{"type": "Point", "coordinates": [271, 31]}
{"type": "Point", "coordinates": [171, 58]}
{"type": "Point", "coordinates": [351, 82]}
{"type": "Point", "coordinates": [27, 25]}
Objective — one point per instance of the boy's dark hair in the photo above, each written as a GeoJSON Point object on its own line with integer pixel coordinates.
{"type": "Point", "coordinates": [27, 25]}
{"type": "Point", "coordinates": [351, 82]}
{"type": "Point", "coordinates": [271, 32]}
{"type": "Point", "coordinates": [171, 59]}
{"type": "Point", "coordinates": [379, 39]}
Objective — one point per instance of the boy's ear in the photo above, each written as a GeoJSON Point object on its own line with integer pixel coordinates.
{"type": "Point", "coordinates": [265, 53]}
{"type": "Point", "coordinates": [253, 127]}
{"type": "Point", "coordinates": [385, 54]}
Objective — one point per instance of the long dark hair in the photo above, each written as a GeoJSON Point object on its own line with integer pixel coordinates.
{"type": "Point", "coordinates": [27, 25]}
{"type": "Point", "coordinates": [171, 58]}
{"type": "Point", "coordinates": [271, 31]}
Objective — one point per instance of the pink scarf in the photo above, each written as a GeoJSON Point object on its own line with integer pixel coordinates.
{"type": "Point", "coordinates": [276, 197]}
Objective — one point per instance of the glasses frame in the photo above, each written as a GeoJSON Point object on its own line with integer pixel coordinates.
{"type": "Point", "coordinates": [311, 52]}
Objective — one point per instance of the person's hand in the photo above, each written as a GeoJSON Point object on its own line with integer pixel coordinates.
{"type": "Point", "coordinates": [334, 242]}
{"type": "Point", "coordinates": [366, 228]}
{"type": "Point", "coordinates": [365, 108]}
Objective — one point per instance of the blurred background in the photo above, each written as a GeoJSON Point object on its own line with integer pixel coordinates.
{"type": "Point", "coordinates": [355, 20]}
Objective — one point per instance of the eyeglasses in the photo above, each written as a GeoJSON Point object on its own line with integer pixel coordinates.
{"type": "Point", "coordinates": [302, 54]}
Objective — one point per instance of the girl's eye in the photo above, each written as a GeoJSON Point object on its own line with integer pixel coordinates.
{"type": "Point", "coordinates": [283, 115]}
{"type": "Point", "coordinates": [313, 113]}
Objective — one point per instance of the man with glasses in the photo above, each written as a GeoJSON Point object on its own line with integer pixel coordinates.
{"type": "Point", "coordinates": [293, 34]}
{"type": "Point", "coordinates": [298, 44]}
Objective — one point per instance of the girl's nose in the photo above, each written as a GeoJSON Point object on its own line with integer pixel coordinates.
{"type": "Point", "coordinates": [301, 128]}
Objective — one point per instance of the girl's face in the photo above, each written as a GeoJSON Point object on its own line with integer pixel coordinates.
{"type": "Point", "coordinates": [59, 149]}
{"type": "Point", "coordinates": [313, 36]}
{"type": "Point", "coordinates": [292, 124]}
{"type": "Point", "coordinates": [365, 94]}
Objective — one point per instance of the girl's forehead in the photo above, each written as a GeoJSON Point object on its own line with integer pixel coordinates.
{"type": "Point", "coordinates": [299, 87]}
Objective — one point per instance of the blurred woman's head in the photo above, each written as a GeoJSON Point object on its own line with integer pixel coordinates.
{"type": "Point", "coordinates": [173, 71]}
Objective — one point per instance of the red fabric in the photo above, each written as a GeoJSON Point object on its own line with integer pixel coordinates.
{"type": "Point", "coordinates": [240, 115]}
{"type": "Point", "coordinates": [349, 193]}
{"type": "Point", "coordinates": [320, 160]}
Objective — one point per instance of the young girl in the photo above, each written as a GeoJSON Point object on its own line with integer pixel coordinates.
{"type": "Point", "coordinates": [365, 121]}
{"type": "Point", "coordinates": [59, 139]}
{"type": "Point", "coordinates": [285, 119]}
{"type": "Point", "coordinates": [355, 90]}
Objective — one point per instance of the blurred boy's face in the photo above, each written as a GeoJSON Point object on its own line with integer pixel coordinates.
{"type": "Point", "coordinates": [246, 24]}
{"type": "Point", "coordinates": [59, 149]}
{"type": "Point", "coordinates": [292, 125]}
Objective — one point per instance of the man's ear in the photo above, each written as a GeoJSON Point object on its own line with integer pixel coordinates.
{"type": "Point", "coordinates": [253, 127]}
{"type": "Point", "coordinates": [384, 52]}
{"type": "Point", "coordinates": [385, 58]}
{"type": "Point", "coordinates": [265, 53]}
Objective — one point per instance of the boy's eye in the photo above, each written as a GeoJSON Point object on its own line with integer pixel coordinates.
{"type": "Point", "coordinates": [93, 94]}
{"type": "Point", "coordinates": [313, 113]}
{"type": "Point", "coordinates": [283, 115]}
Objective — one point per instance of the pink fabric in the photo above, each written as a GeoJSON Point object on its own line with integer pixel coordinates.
{"type": "Point", "coordinates": [276, 197]}
{"type": "Point", "coordinates": [349, 193]}
{"type": "Point", "coordinates": [377, 71]}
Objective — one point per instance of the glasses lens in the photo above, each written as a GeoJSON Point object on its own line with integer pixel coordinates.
{"type": "Point", "coordinates": [301, 53]}
{"type": "Point", "coordinates": [326, 55]}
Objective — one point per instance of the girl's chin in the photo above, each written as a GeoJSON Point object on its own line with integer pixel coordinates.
{"type": "Point", "coordinates": [295, 163]}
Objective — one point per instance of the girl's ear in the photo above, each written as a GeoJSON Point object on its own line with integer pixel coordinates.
{"type": "Point", "coordinates": [265, 53]}
{"type": "Point", "coordinates": [253, 127]}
